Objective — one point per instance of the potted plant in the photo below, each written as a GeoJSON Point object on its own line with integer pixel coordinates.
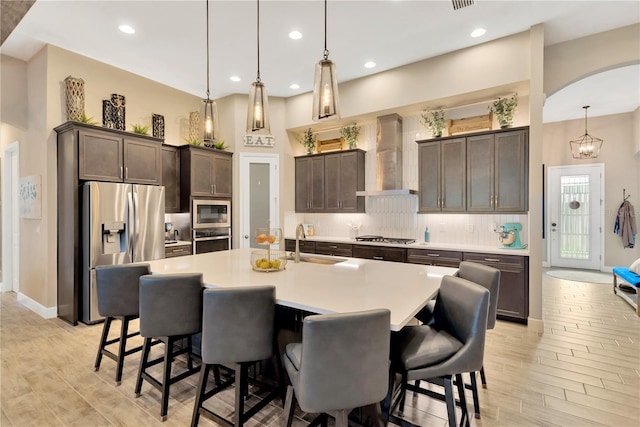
{"type": "Point", "coordinates": [193, 141]}
{"type": "Point", "coordinates": [219, 145]}
{"type": "Point", "coordinates": [86, 119]}
{"type": "Point", "coordinates": [350, 134]}
{"type": "Point", "coordinates": [434, 121]}
{"type": "Point", "coordinates": [504, 108]}
{"type": "Point", "coordinates": [140, 129]}
{"type": "Point", "coordinates": [308, 140]}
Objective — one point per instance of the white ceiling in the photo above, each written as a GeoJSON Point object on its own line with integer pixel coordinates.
{"type": "Point", "coordinates": [169, 43]}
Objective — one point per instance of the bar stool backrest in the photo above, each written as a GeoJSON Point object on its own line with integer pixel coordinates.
{"type": "Point", "coordinates": [488, 277]}
{"type": "Point", "coordinates": [119, 289]}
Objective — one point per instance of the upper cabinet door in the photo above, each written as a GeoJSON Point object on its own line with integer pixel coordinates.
{"type": "Point", "coordinates": [310, 184]}
{"type": "Point", "coordinates": [511, 171]}
{"type": "Point", "coordinates": [100, 156]}
{"type": "Point", "coordinates": [142, 161]}
{"type": "Point", "coordinates": [453, 176]}
{"type": "Point", "coordinates": [351, 180]}
{"type": "Point", "coordinates": [429, 176]}
{"type": "Point", "coordinates": [201, 176]}
{"type": "Point", "coordinates": [332, 181]}
{"type": "Point", "coordinates": [171, 178]}
{"type": "Point", "coordinates": [480, 154]}
{"type": "Point", "coordinates": [222, 177]}
{"type": "Point", "coordinates": [317, 184]}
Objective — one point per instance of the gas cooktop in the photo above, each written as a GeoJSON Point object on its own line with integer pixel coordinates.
{"type": "Point", "coordinates": [383, 239]}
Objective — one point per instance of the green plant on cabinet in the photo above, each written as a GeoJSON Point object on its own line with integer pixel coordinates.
{"type": "Point", "coordinates": [140, 129]}
{"type": "Point", "coordinates": [504, 109]}
{"type": "Point", "coordinates": [435, 121]}
{"type": "Point", "coordinates": [350, 134]}
{"type": "Point", "coordinates": [308, 139]}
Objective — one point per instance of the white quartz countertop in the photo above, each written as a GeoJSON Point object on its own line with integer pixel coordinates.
{"type": "Point", "coordinates": [421, 245]}
{"type": "Point", "coordinates": [353, 285]}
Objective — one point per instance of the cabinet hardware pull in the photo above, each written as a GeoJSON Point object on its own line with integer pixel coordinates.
{"type": "Point", "coordinates": [211, 189]}
{"type": "Point", "coordinates": [178, 250]}
{"type": "Point", "coordinates": [333, 247]}
{"type": "Point", "coordinates": [434, 255]}
{"type": "Point", "coordinates": [126, 172]}
{"type": "Point", "coordinates": [492, 259]}
{"type": "Point", "coordinates": [379, 258]}
{"type": "Point", "coordinates": [215, 189]}
{"type": "Point", "coordinates": [120, 172]}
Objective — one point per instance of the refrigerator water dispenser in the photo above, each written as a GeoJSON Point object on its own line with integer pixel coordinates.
{"type": "Point", "coordinates": [113, 237]}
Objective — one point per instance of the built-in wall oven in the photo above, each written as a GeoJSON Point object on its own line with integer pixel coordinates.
{"type": "Point", "coordinates": [211, 225]}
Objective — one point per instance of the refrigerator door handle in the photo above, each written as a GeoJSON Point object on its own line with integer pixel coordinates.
{"type": "Point", "coordinates": [131, 219]}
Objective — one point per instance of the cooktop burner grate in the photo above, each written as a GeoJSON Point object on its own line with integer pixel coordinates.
{"type": "Point", "coordinates": [382, 239]}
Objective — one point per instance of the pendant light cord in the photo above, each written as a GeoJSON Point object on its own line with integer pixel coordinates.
{"type": "Point", "coordinates": [326, 51]}
{"type": "Point", "coordinates": [258, 39]}
{"type": "Point", "coordinates": [585, 118]}
{"type": "Point", "coordinates": [207, 49]}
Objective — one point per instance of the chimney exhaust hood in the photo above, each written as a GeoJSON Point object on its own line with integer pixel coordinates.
{"type": "Point", "coordinates": [388, 158]}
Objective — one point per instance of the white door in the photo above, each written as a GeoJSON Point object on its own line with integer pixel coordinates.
{"type": "Point", "coordinates": [575, 216]}
{"type": "Point", "coordinates": [259, 195]}
{"type": "Point", "coordinates": [10, 220]}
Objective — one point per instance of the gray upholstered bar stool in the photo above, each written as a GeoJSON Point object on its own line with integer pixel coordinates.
{"type": "Point", "coordinates": [118, 297]}
{"type": "Point", "coordinates": [238, 330]}
{"type": "Point", "coordinates": [171, 311]}
{"type": "Point", "coordinates": [452, 344]}
{"type": "Point", "coordinates": [488, 277]}
{"type": "Point", "coordinates": [341, 364]}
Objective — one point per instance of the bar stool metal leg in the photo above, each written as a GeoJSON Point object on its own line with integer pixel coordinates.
{"type": "Point", "coordinates": [103, 341]}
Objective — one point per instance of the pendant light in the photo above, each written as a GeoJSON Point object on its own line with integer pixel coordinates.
{"type": "Point", "coordinates": [585, 146]}
{"type": "Point", "coordinates": [210, 107]}
{"type": "Point", "coordinates": [258, 108]}
{"type": "Point", "coordinates": [325, 88]}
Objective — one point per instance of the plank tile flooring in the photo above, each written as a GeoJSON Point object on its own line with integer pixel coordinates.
{"type": "Point", "coordinates": [583, 370]}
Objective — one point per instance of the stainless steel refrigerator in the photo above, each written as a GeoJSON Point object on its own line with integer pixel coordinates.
{"type": "Point", "coordinates": [121, 224]}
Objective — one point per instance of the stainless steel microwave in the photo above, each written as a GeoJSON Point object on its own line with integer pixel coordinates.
{"type": "Point", "coordinates": [209, 213]}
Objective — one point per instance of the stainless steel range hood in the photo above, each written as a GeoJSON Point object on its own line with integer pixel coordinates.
{"type": "Point", "coordinates": [388, 158]}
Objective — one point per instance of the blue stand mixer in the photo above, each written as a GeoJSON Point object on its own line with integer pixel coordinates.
{"type": "Point", "coordinates": [509, 235]}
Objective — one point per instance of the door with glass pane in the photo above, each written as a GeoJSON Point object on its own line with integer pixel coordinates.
{"type": "Point", "coordinates": [259, 187]}
{"type": "Point", "coordinates": [575, 216]}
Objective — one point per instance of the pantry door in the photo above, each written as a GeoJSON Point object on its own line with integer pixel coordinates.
{"type": "Point", "coordinates": [259, 195]}
{"type": "Point", "coordinates": [575, 216]}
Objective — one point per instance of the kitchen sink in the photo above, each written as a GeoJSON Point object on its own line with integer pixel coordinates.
{"type": "Point", "coordinates": [317, 259]}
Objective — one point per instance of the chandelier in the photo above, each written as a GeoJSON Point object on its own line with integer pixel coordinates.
{"type": "Point", "coordinates": [325, 88]}
{"type": "Point", "coordinates": [258, 108]}
{"type": "Point", "coordinates": [210, 107]}
{"type": "Point", "coordinates": [585, 146]}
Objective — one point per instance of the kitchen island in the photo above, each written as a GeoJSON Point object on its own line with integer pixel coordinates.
{"type": "Point", "coordinates": [350, 285]}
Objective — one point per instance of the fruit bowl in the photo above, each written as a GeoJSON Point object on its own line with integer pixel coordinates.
{"type": "Point", "coordinates": [268, 260]}
{"type": "Point", "coordinates": [268, 236]}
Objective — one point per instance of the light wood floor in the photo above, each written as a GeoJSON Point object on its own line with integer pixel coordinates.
{"type": "Point", "coordinates": [584, 370]}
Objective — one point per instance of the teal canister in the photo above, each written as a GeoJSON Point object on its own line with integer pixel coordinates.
{"type": "Point", "coordinates": [426, 235]}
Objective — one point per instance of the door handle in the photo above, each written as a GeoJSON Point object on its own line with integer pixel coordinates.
{"type": "Point", "coordinates": [246, 236]}
{"type": "Point", "coordinates": [380, 258]}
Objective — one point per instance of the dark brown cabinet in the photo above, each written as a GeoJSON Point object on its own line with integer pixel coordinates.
{"type": "Point", "coordinates": [497, 172]}
{"type": "Point", "coordinates": [107, 155]}
{"type": "Point", "coordinates": [176, 251]}
{"type": "Point", "coordinates": [334, 249]}
{"type": "Point", "coordinates": [434, 257]}
{"type": "Point", "coordinates": [328, 182]}
{"type": "Point", "coordinates": [310, 183]}
{"type": "Point", "coordinates": [380, 253]}
{"type": "Point", "coordinates": [442, 176]}
{"type": "Point", "coordinates": [171, 178]}
{"type": "Point", "coordinates": [306, 246]}
{"type": "Point", "coordinates": [513, 299]}
{"type": "Point", "coordinates": [204, 172]}
{"type": "Point", "coordinates": [343, 176]}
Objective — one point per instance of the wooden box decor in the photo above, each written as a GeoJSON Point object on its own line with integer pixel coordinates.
{"type": "Point", "coordinates": [330, 145]}
{"type": "Point", "coordinates": [470, 124]}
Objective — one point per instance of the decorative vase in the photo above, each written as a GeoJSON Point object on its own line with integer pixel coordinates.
{"type": "Point", "coordinates": [107, 114]}
{"type": "Point", "coordinates": [157, 123]}
{"type": "Point", "coordinates": [194, 125]}
{"type": "Point", "coordinates": [118, 111]}
{"type": "Point", "coordinates": [74, 89]}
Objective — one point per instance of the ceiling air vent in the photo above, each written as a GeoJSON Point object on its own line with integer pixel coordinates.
{"type": "Point", "coordinates": [459, 4]}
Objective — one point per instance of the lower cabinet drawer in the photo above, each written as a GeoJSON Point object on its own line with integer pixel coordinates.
{"type": "Point", "coordinates": [174, 251]}
{"type": "Point", "coordinates": [434, 257]}
{"type": "Point", "coordinates": [335, 249]}
{"type": "Point", "coordinates": [380, 253]}
{"type": "Point", "coordinates": [306, 246]}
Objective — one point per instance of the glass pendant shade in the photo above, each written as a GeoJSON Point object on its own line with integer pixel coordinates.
{"type": "Point", "coordinates": [325, 92]}
{"type": "Point", "coordinates": [258, 109]}
{"type": "Point", "coordinates": [210, 121]}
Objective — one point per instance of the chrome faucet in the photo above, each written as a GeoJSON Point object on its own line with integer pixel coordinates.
{"type": "Point", "coordinates": [299, 234]}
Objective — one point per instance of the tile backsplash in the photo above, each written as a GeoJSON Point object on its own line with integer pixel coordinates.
{"type": "Point", "coordinates": [396, 216]}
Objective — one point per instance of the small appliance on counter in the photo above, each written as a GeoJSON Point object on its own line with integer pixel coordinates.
{"type": "Point", "coordinates": [509, 235]}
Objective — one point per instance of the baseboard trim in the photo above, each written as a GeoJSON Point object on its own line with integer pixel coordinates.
{"type": "Point", "coordinates": [36, 307]}
{"type": "Point", "coordinates": [536, 325]}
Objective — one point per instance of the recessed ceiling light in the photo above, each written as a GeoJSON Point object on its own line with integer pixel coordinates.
{"type": "Point", "coordinates": [478, 32]}
{"type": "Point", "coordinates": [295, 86]}
{"type": "Point", "coordinates": [369, 64]}
{"type": "Point", "coordinates": [295, 35]}
{"type": "Point", "coordinates": [234, 78]}
{"type": "Point", "coordinates": [127, 29]}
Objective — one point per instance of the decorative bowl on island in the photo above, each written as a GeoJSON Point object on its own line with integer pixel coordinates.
{"type": "Point", "coordinates": [268, 260]}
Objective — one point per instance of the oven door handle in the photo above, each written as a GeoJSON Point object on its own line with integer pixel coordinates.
{"type": "Point", "coordinates": [202, 239]}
